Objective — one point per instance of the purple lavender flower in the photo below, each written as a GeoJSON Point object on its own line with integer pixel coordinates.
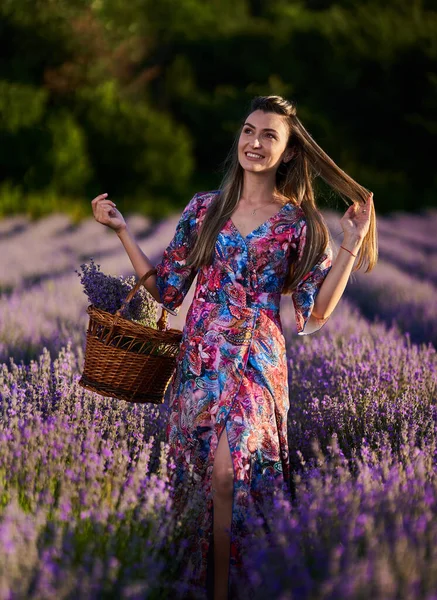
{"type": "Point", "coordinates": [108, 293]}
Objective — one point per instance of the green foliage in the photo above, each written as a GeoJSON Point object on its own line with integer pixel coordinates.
{"type": "Point", "coordinates": [142, 99]}
{"type": "Point", "coordinates": [13, 201]}
{"type": "Point", "coordinates": [136, 148]}
{"type": "Point", "coordinates": [21, 106]}
{"type": "Point", "coordinates": [68, 156]}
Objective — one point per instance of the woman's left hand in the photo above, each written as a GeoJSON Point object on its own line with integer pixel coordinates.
{"type": "Point", "coordinates": [356, 220]}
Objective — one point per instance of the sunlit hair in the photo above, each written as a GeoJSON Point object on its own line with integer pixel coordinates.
{"type": "Point", "coordinates": [294, 181]}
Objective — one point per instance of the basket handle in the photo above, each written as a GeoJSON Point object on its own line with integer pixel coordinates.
{"type": "Point", "coordinates": [162, 321]}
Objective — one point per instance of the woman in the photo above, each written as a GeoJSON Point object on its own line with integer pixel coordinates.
{"type": "Point", "coordinates": [256, 237]}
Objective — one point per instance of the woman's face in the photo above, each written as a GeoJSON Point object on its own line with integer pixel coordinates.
{"type": "Point", "coordinates": [263, 141]}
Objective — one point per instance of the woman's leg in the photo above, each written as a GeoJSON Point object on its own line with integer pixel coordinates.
{"type": "Point", "coordinates": [222, 488]}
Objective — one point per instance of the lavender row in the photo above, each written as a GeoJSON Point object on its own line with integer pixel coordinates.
{"type": "Point", "coordinates": [397, 298]}
{"type": "Point", "coordinates": [415, 232]}
{"type": "Point", "coordinates": [41, 283]}
{"type": "Point", "coordinates": [93, 473]}
{"type": "Point", "coordinates": [399, 292]}
{"type": "Point", "coordinates": [359, 381]}
{"type": "Point", "coordinates": [416, 259]}
{"type": "Point", "coordinates": [362, 531]}
{"type": "Point", "coordinates": [52, 246]}
{"type": "Point", "coordinates": [372, 534]}
{"type": "Point", "coordinates": [406, 241]}
{"type": "Point", "coordinates": [52, 311]}
{"type": "Point", "coordinates": [410, 258]}
{"type": "Point", "coordinates": [85, 484]}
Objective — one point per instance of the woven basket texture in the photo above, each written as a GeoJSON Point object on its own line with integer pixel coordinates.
{"type": "Point", "coordinates": [127, 360]}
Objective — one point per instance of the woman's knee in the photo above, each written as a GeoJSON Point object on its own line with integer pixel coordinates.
{"type": "Point", "coordinates": [223, 471]}
{"type": "Point", "coordinates": [223, 481]}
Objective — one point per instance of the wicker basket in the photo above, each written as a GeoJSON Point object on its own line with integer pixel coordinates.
{"type": "Point", "coordinates": [126, 360]}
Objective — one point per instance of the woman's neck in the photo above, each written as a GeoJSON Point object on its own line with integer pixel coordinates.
{"type": "Point", "coordinates": [259, 188]}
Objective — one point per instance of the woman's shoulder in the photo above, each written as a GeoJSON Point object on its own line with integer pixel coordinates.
{"type": "Point", "coordinates": [201, 201]}
{"type": "Point", "coordinates": [207, 197]}
{"type": "Point", "coordinates": [198, 205]}
{"type": "Point", "coordinates": [198, 201]}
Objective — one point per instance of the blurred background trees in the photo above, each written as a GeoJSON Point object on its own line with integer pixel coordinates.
{"type": "Point", "coordinates": [142, 99]}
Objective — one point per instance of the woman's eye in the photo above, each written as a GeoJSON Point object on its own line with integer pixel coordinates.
{"type": "Point", "coordinates": [247, 130]}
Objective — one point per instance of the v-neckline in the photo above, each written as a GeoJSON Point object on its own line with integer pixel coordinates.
{"type": "Point", "coordinates": [245, 237]}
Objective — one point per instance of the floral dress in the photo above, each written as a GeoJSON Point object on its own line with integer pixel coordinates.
{"type": "Point", "coordinates": [231, 373]}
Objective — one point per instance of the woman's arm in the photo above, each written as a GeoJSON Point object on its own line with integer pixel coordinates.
{"type": "Point", "coordinates": [355, 223]}
{"type": "Point", "coordinates": [105, 212]}
{"type": "Point", "coordinates": [140, 262]}
{"type": "Point", "coordinates": [335, 281]}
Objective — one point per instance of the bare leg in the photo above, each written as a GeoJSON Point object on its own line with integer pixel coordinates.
{"type": "Point", "coordinates": [222, 485]}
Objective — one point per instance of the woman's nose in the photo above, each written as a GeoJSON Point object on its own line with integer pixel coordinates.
{"type": "Point", "coordinates": [256, 143]}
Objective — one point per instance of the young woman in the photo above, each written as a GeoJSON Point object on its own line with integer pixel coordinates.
{"type": "Point", "coordinates": [257, 237]}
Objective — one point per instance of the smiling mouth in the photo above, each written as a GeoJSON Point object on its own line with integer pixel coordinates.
{"type": "Point", "coordinates": [253, 155]}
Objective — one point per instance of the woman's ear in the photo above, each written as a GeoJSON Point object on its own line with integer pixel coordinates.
{"type": "Point", "coordinates": [289, 154]}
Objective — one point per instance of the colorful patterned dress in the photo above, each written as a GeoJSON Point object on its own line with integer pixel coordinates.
{"type": "Point", "coordinates": [231, 373]}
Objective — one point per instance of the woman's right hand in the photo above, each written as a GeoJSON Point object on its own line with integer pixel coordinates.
{"type": "Point", "coordinates": [105, 212]}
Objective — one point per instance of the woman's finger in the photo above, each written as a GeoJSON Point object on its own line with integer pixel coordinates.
{"type": "Point", "coordinates": [103, 211]}
{"type": "Point", "coordinates": [105, 203]}
{"type": "Point", "coordinates": [108, 211]}
{"type": "Point", "coordinates": [97, 198]}
{"type": "Point", "coordinates": [351, 210]}
{"type": "Point", "coordinates": [369, 199]}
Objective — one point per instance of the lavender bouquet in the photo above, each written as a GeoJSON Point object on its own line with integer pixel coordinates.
{"type": "Point", "coordinates": [108, 293]}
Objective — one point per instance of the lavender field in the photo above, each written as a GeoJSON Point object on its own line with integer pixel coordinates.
{"type": "Point", "coordinates": [85, 509]}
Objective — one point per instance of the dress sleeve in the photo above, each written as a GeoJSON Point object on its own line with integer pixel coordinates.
{"type": "Point", "coordinates": [305, 293]}
{"type": "Point", "coordinates": [173, 276]}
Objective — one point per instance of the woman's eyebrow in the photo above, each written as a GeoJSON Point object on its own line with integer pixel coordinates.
{"type": "Point", "coordinates": [265, 129]}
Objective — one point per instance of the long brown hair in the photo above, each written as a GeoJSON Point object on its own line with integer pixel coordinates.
{"type": "Point", "coordinates": [293, 181]}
